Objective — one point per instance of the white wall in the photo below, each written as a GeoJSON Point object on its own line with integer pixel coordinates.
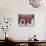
{"type": "Point", "coordinates": [12, 8]}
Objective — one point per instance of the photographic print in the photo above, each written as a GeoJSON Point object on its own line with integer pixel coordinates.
{"type": "Point", "coordinates": [26, 20]}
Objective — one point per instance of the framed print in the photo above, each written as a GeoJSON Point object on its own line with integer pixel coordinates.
{"type": "Point", "coordinates": [26, 20]}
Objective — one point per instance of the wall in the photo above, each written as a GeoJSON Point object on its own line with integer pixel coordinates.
{"type": "Point", "coordinates": [11, 8]}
